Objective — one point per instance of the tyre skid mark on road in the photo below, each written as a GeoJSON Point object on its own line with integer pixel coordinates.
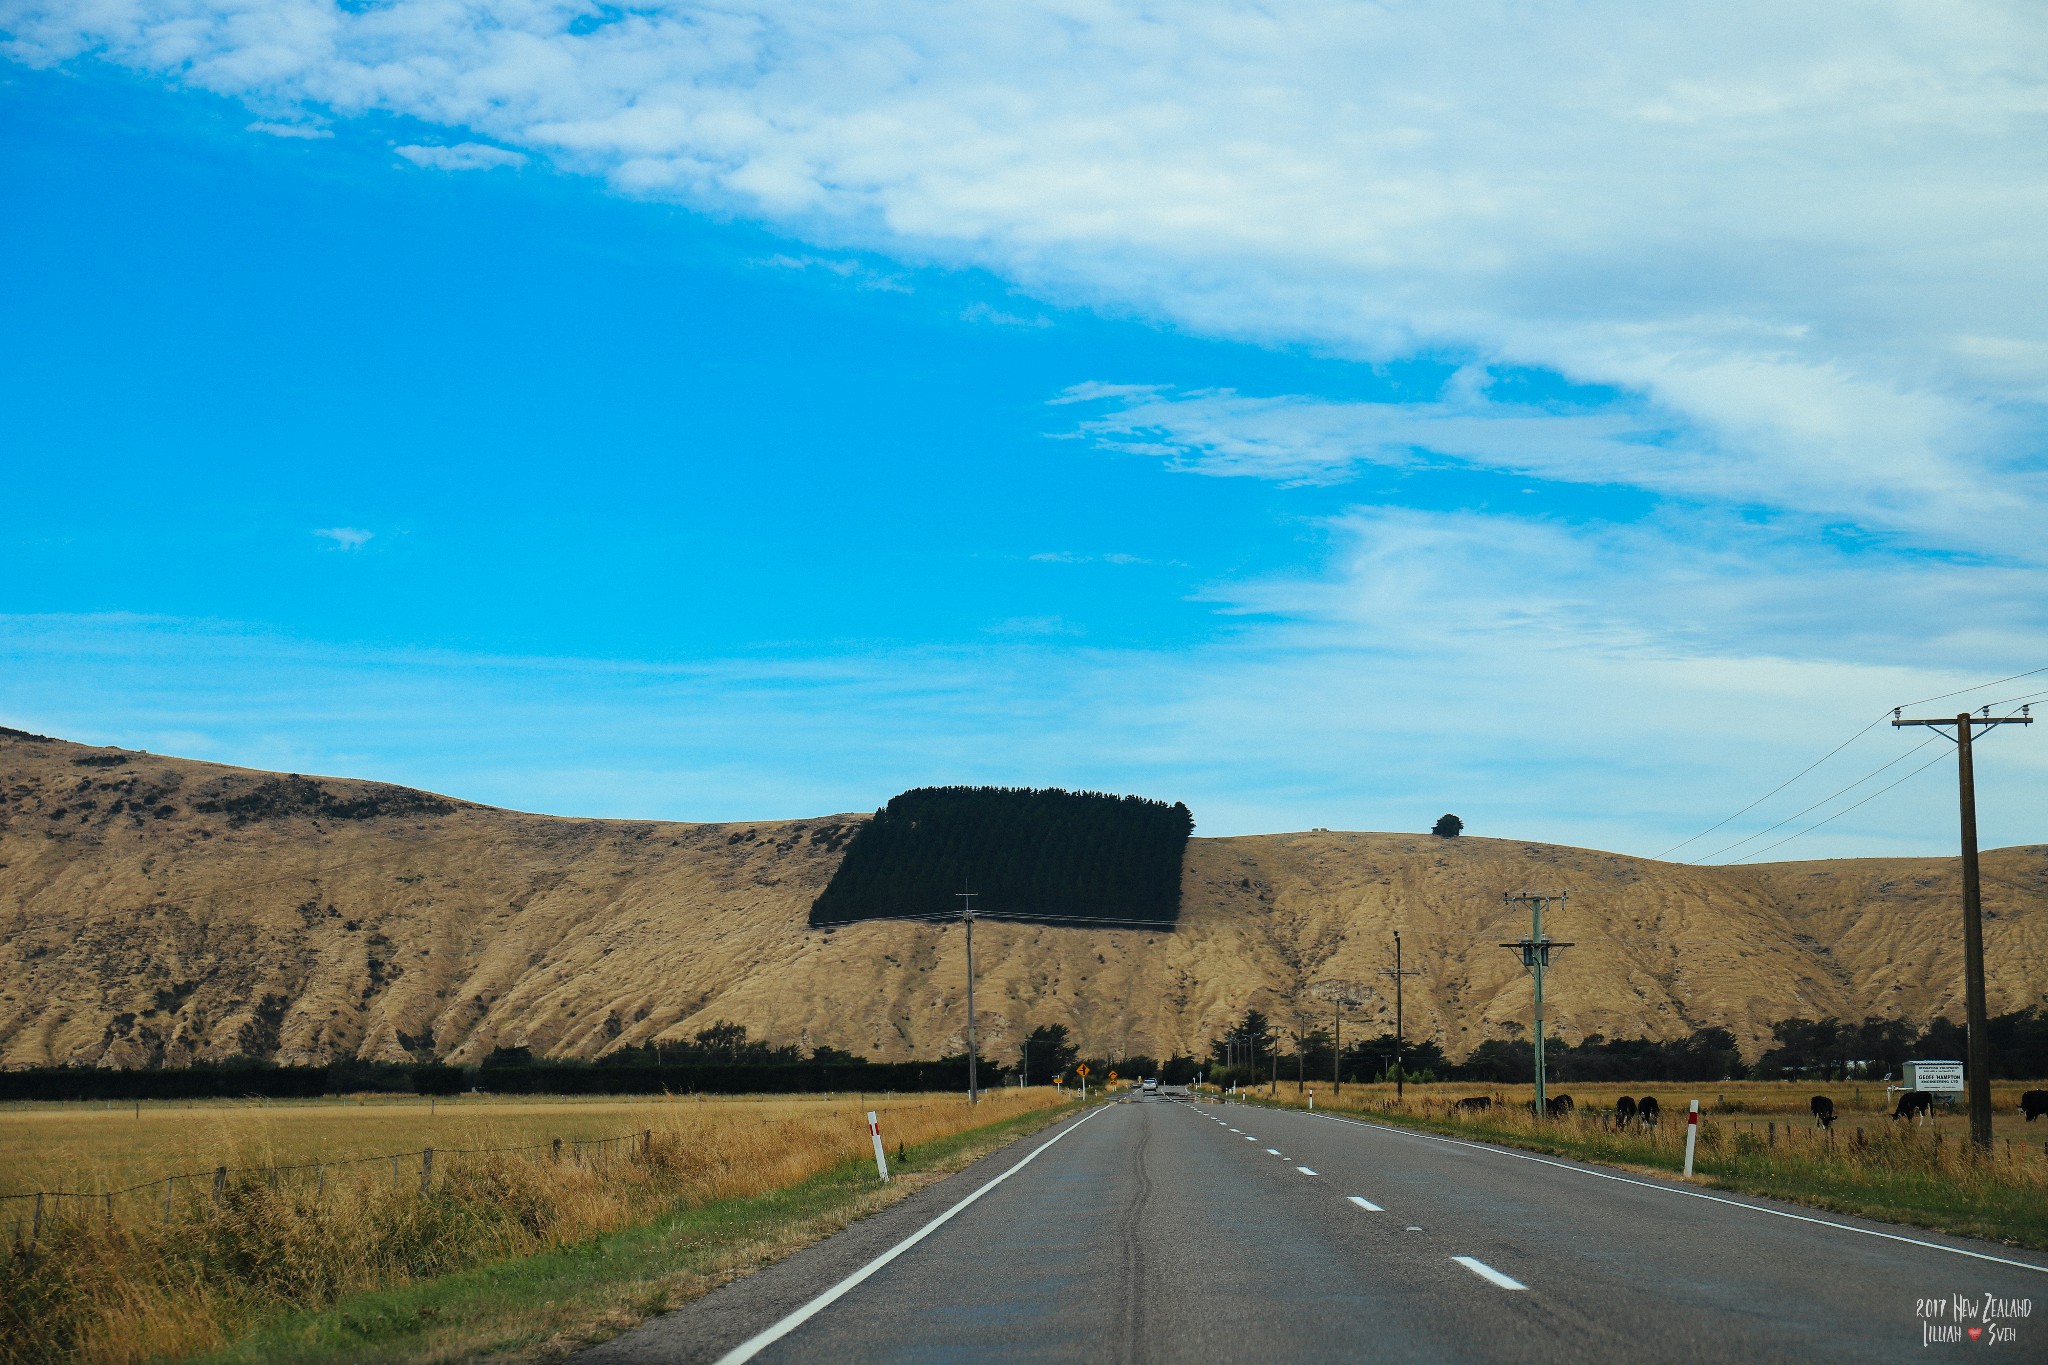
{"type": "Point", "coordinates": [1689, 1194]}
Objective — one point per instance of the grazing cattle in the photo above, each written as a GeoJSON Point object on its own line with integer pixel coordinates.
{"type": "Point", "coordinates": [2034, 1104]}
{"type": "Point", "coordinates": [1914, 1104]}
{"type": "Point", "coordinates": [1823, 1111]}
{"type": "Point", "coordinates": [1648, 1111]}
{"type": "Point", "coordinates": [1559, 1105]}
{"type": "Point", "coordinates": [1474, 1104]}
{"type": "Point", "coordinates": [1624, 1112]}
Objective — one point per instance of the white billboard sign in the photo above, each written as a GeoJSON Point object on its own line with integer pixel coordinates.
{"type": "Point", "coordinates": [1935, 1077]}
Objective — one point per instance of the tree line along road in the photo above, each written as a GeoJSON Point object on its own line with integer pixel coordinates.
{"type": "Point", "coordinates": [1164, 1230]}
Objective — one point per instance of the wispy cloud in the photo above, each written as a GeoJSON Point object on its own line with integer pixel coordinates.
{"type": "Point", "coordinates": [996, 317]}
{"type": "Point", "coordinates": [297, 130]}
{"type": "Point", "coordinates": [1071, 557]}
{"type": "Point", "coordinates": [463, 156]}
{"type": "Point", "coordinates": [853, 271]}
{"type": "Point", "coordinates": [346, 537]}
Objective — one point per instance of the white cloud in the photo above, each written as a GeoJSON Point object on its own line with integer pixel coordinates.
{"type": "Point", "coordinates": [346, 537]}
{"type": "Point", "coordinates": [854, 272]}
{"type": "Point", "coordinates": [1810, 234]}
{"type": "Point", "coordinates": [295, 130]}
{"type": "Point", "coordinates": [996, 317]}
{"type": "Point", "coordinates": [463, 156]}
{"type": "Point", "coordinates": [1296, 439]}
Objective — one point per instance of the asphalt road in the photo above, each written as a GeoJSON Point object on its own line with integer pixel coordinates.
{"type": "Point", "coordinates": [1161, 1230]}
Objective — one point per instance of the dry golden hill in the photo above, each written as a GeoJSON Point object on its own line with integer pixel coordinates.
{"type": "Point", "coordinates": [159, 910]}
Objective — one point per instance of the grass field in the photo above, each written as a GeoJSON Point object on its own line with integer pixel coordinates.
{"type": "Point", "coordinates": [1759, 1137]}
{"type": "Point", "coordinates": [165, 1274]}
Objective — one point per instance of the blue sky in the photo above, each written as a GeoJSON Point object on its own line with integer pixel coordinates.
{"type": "Point", "coordinates": [1331, 418]}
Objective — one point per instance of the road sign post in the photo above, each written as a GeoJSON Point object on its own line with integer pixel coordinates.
{"type": "Point", "coordinates": [1082, 1072]}
{"type": "Point", "coordinates": [881, 1160]}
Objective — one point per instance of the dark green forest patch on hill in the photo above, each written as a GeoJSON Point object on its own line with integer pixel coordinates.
{"type": "Point", "coordinates": [1046, 855]}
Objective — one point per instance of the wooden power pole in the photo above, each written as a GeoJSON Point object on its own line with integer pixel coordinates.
{"type": "Point", "coordinates": [1400, 1035]}
{"type": "Point", "coordinates": [1977, 1067]}
{"type": "Point", "coordinates": [967, 918]}
{"type": "Point", "coordinates": [1536, 950]}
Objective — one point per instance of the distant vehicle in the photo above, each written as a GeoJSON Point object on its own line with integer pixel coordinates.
{"type": "Point", "coordinates": [1151, 1085]}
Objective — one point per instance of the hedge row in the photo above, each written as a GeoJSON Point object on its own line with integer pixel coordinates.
{"type": "Point", "coordinates": [542, 1078]}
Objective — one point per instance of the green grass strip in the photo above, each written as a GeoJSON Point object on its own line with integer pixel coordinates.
{"type": "Point", "coordinates": [598, 1288]}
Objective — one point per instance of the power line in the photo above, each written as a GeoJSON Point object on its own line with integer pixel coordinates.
{"type": "Point", "coordinates": [1840, 791]}
{"type": "Point", "coordinates": [1775, 790]}
{"type": "Point", "coordinates": [1975, 687]}
{"type": "Point", "coordinates": [1844, 810]}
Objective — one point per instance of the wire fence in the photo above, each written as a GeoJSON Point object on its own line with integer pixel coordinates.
{"type": "Point", "coordinates": [169, 1196]}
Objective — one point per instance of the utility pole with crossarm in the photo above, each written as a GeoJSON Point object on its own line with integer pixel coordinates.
{"type": "Point", "coordinates": [1977, 1073]}
{"type": "Point", "coordinates": [1536, 950]}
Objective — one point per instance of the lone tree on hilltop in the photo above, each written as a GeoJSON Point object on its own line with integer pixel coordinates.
{"type": "Point", "coordinates": [1449, 827]}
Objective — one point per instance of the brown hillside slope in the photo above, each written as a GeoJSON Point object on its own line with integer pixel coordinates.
{"type": "Point", "coordinates": [162, 910]}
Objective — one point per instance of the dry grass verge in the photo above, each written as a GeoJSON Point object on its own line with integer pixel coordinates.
{"type": "Point", "coordinates": [136, 1286]}
{"type": "Point", "coordinates": [1754, 1140]}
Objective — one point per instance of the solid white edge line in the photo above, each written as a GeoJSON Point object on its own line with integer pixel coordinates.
{"type": "Point", "coordinates": [1487, 1272]}
{"type": "Point", "coordinates": [1365, 1203]}
{"type": "Point", "coordinates": [762, 1340]}
{"type": "Point", "coordinates": [1690, 1194]}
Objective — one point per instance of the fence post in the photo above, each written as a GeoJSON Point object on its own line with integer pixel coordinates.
{"type": "Point", "coordinates": [394, 1170]}
{"type": "Point", "coordinates": [220, 1182]}
{"type": "Point", "coordinates": [426, 1170]}
{"type": "Point", "coordinates": [319, 1181]}
{"type": "Point", "coordinates": [36, 1232]}
{"type": "Point", "coordinates": [273, 1177]}
{"type": "Point", "coordinates": [170, 1183]}
{"type": "Point", "coordinates": [110, 1206]}
{"type": "Point", "coordinates": [881, 1160]}
{"type": "Point", "coordinates": [556, 1152]}
{"type": "Point", "coordinates": [1692, 1131]}
{"type": "Point", "coordinates": [579, 1151]}
{"type": "Point", "coordinates": [647, 1145]}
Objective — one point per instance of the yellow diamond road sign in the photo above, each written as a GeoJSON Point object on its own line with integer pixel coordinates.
{"type": "Point", "coordinates": [1081, 1070]}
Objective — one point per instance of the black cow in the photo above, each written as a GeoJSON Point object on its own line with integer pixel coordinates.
{"type": "Point", "coordinates": [1648, 1111]}
{"type": "Point", "coordinates": [1559, 1105]}
{"type": "Point", "coordinates": [1914, 1104]}
{"type": "Point", "coordinates": [1624, 1112]}
{"type": "Point", "coordinates": [1474, 1104]}
{"type": "Point", "coordinates": [2034, 1104]}
{"type": "Point", "coordinates": [1823, 1110]}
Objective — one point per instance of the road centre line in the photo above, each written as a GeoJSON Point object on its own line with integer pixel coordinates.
{"type": "Point", "coordinates": [762, 1340]}
{"type": "Point", "coordinates": [1304, 1170]}
{"type": "Point", "coordinates": [1487, 1272]}
{"type": "Point", "coordinates": [1365, 1203]}
{"type": "Point", "coordinates": [1272, 1151]}
{"type": "Point", "coordinates": [1690, 1194]}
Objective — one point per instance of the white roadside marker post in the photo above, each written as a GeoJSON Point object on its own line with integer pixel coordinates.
{"type": "Point", "coordinates": [1311, 1101]}
{"type": "Point", "coordinates": [1692, 1132]}
{"type": "Point", "coordinates": [882, 1161]}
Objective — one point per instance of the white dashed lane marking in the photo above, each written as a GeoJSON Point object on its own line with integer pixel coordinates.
{"type": "Point", "coordinates": [1365, 1203]}
{"type": "Point", "coordinates": [1304, 1170]}
{"type": "Point", "coordinates": [1272, 1151]}
{"type": "Point", "coordinates": [1488, 1273]}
